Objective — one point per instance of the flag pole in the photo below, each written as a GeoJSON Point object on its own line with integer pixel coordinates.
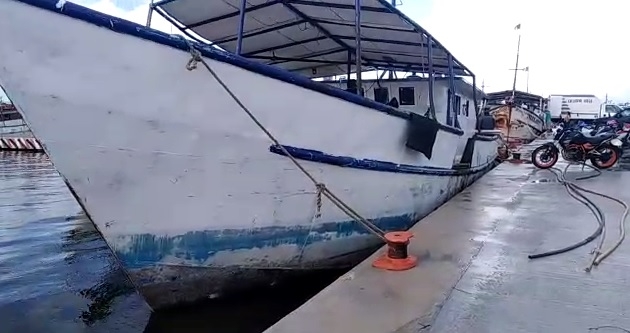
{"type": "Point", "coordinates": [518, 50]}
{"type": "Point", "coordinates": [511, 104]}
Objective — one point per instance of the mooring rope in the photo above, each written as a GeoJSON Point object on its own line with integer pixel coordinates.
{"type": "Point", "coordinates": [321, 188]}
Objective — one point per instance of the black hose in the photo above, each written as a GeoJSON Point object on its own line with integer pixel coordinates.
{"type": "Point", "coordinates": [596, 174]}
{"type": "Point", "coordinates": [601, 220]}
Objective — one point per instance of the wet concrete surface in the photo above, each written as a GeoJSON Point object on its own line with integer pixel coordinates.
{"type": "Point", "coordinates": [474, 274]}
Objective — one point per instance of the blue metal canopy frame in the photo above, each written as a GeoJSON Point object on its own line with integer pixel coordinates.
{"type": "Point", "coordinates": [320, 38]}
{"type": "Point", "coordinates": [398, 44]}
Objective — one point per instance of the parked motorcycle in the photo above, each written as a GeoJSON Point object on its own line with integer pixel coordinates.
{"type": "Point", "coordinates": [623, 134]}
{"type": "Point", "coordinates": [603, 149]}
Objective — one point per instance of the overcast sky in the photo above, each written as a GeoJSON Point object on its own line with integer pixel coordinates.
{"type": "Point", "coordinates": [570, 46]}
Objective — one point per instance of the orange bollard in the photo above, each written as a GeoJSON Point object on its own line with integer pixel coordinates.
{"type": "Point", "coordinates": [396, 258]}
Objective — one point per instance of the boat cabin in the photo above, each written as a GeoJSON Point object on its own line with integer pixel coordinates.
{"type": "Point", "coordinates": [326, 38]}
{"type": "Point", "coordinates": [411, 94]}
{"type": "Point", "coordinates": [524, 100]}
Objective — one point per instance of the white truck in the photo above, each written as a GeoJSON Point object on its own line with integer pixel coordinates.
{"type": "Point", "coordinates": [581, 107]}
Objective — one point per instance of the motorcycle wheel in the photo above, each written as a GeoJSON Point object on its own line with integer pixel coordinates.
{"type": "Point", "coordinates": [613, 157]}
{"type": "Point", "coordinates": [544, 157]}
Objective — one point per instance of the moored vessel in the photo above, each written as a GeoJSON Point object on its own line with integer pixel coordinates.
{"type": "Point", "coordinates": [203, 204]}
{"type": "Point", "coordinates": [518, 116]}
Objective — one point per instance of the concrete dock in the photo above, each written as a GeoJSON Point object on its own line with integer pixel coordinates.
{"type": "Point", "coordinates": [474, 274]}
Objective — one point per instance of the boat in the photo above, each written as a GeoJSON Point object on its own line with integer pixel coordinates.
{"type": "Point", "coordinates": [11, 123]}
{"type": "Point", "coordinates": [519, 117]}
{"type": "Point", "coordinates": [194, 199]}
{"type": "Point", "coordinates": [8, 112]}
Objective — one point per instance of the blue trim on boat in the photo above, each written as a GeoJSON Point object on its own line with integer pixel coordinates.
{"type": "Point", "coordinates": [373, 165]}
{"type": "Point", "coordinates": [485, 137]}
{"type": "Point", "coordinates": [130, 28]}
{"type": "Point", "coordinates": [198, 246]}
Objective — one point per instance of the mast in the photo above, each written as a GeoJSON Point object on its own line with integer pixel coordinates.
{"type": "Point", "coordinates": [518, 49]}
{"type": "Point", "coordinates": [511, 104]}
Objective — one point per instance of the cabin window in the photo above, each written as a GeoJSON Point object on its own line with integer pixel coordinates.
{"type": "Point", "coordinates": [458, 105]}
{"type": "Point", "coordinates": [381, 95]}
{"type": "Point", "coordinates": [407, 95]}
{"type": "Point", "coordinates": [467, 108]}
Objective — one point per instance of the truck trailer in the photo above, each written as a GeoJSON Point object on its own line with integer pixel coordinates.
{"type": "Point", "coordinates": [581, 107]}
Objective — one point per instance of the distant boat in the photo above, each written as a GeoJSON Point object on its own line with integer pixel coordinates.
{"type": "Point", "coordinates": [192, 197]}
{"type": "Point", "coordinates": [520, 119]}
{"type": "Point", "coordinates": [8, 112]}
{"type": "Point", "coordinates": [11, 123]}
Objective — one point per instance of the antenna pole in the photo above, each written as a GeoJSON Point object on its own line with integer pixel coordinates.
{"type": "Point", "coordinates": [528, 79]}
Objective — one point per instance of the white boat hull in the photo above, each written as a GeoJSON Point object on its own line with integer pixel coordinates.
{"type": "Point", "coordinates": [525, 125]}
{"type": "Point", "coordinates": [185, 189]}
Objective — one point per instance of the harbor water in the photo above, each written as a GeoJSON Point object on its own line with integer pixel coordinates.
{"type": "Point", "coordinates": [58, 275]}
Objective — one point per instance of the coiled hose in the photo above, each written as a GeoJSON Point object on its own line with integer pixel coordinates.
{"type": "Point", "coordinates": [574, 190]}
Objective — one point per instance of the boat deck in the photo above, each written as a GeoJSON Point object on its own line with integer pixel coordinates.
{"type": "Point", "coordinates": [474, 274]}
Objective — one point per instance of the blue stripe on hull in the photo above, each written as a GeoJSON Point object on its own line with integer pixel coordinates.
{"type": "Point", "coordinates": [166, 285]}
{"type": "Point", "coordinates": [376, 165]}
{"type": "Point", "coordinates": [198, 246]}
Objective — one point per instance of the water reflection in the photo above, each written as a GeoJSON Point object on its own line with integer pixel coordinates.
{"type": "Point", "coordinates": [83, 244]}
{"type": "Point", "coordinates": [56, 272]}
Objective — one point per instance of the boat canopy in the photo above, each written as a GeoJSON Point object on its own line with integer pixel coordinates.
{"type": "Point", "coordinates": [315, 38]}
{"type": "Point", "coordinates": [519, 97]}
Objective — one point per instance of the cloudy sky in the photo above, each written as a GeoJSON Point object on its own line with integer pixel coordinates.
{"type": "Point", "coordinates": [570, 46]}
